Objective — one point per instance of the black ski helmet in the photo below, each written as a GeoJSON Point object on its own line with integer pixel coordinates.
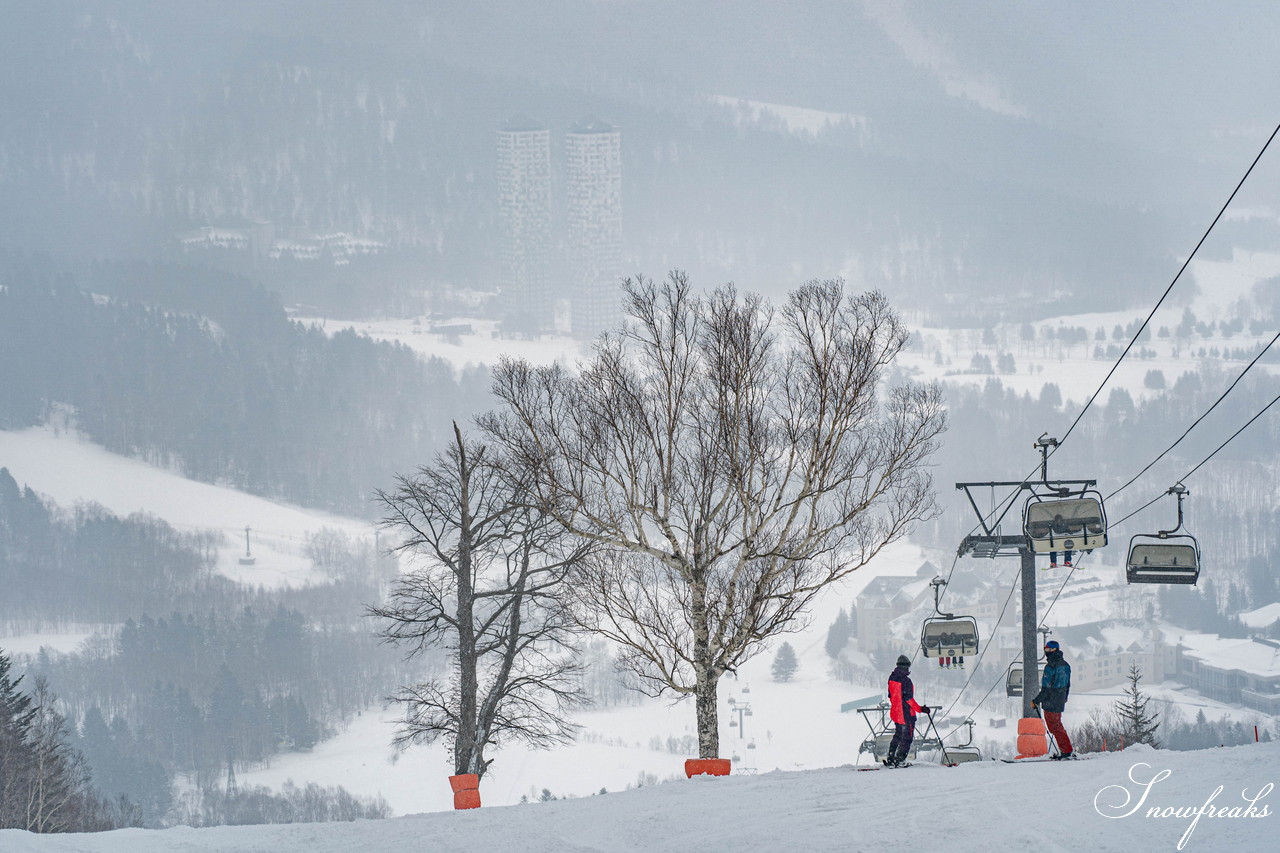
{"type": "Point", "coordinates": [903, 660]}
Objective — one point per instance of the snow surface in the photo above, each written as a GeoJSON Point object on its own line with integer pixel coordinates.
{"type": "Point", "coordinates": [1263, 616]}
{"type": "Point", "coordinates": [1220, 284]}
{"type": "Point", "coordinates": [1091, 805]}
{"type": "Point", "coordinates": [68, 469]}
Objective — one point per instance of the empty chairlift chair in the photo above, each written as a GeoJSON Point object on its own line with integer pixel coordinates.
{"type": "Point", "coordinates": [1166, 556]}
{"type": "Point", "coordinates": [1013, 681]}
{"type": "Point", "coordinates": [1065, 524]}
{"type": "Point", "coordinates": [965, 752]}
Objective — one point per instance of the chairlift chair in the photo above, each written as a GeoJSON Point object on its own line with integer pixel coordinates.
{"type": "Point", "coordinates": [946, 635]}
{"type": "Point", "coordinates": [1055, 523]}
{"type": "Point", "coordinates": [965, 752]}
{"type": "Point", "coordinates": [1162, 561]}
{"type": "Point", "coordinates": [881, 728]}
{"type": "Point", "coordinates": [1165, 556]}
{"type": "Point", "coordinates": [1013, 682]}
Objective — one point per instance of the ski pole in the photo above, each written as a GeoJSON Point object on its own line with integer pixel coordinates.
{"type": "Point", "coordinates": [1053, 741]}
{"type": "Point", "coordinates": [946, 759]}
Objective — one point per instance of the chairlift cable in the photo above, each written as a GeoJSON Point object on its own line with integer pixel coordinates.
{"type": "Point", "coordinates": [956, 559]}
{"type": "Point", "coordinates": [1202, 462]}
{"type": "Point", "coordinates": [1089, 402]}
{"type": "Point", "coordinates": [1074, 566]}
{"type": "Point", "coordinates": [1197, 421]}
{"type": "Point", "coordinates": [1002, 675]}
{"type": "Point", "coordinates": [1185, 264]}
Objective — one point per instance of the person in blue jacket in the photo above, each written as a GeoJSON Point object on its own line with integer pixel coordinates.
{"type": "Point", "coordinates": [903, 709]}
{"type": "Point", "coordinates": [1055, 686]}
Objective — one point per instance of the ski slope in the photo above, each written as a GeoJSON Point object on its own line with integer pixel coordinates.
{"type": "Point", "coordinates": [57, 463]}
{"type": "Point", "coordinates": [1138, 800]}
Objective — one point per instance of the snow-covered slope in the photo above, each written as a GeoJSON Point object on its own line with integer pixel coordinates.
{"type": "Point", "coordinates": [69, 469]}
{"type": "Point", "coordinates": [1114, 802]}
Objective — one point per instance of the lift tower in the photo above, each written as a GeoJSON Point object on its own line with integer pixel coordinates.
{"type": "Point", "coordinates": [991, 543]}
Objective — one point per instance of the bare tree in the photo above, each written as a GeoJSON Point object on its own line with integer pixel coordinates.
{"type": "Point", "coordinates": [484, 582]}
{"type": "Point", "coordinates": [729, 463]}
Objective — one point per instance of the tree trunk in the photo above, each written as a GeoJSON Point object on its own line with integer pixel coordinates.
{"type": "Point", "coordinates": [464, 748]}
{"type": "Point", "coordinates": [708, 719]}
{"type": "Point", "coordinates": [706, 675]}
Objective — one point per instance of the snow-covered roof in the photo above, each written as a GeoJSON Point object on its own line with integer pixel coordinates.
{"type": "Point", "coordinates": [1095, 639]}
{"type": "Point", "coordinates": [1256, 657]}
{"type": "Point", "coordinates": [1263, 616]}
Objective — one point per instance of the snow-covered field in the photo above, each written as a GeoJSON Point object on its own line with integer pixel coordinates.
{"type": "Point", "coordinates": [1137, 800]}
{"type": "Point", "coordinates": [1217, 286]}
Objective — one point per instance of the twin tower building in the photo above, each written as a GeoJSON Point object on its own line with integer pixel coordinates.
{"type": "Point", "coordinates": [561, 260]}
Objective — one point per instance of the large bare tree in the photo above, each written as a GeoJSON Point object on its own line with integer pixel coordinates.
{"type": "Point", "coordinates": [484, 581]}
{"type": "Point", "coordinates": [729, 461]}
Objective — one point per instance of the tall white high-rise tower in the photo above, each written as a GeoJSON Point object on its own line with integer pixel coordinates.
{"type": "Point", "coordinates": [593, 168]}
{"type": "Point", "coordinates": [524, 210]}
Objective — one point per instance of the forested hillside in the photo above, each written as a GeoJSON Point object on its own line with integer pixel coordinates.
{"type": "Point", "coordinates": [992, 429]}
{"type": "Point", "coordinates": [203, 371]}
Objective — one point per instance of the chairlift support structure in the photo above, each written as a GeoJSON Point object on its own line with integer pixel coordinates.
{"type": "Point", "coordinates": [1060, 518]}
{"type": "Point", "coordinates": [1165, 556]}
{"type": "Point", "coordinates": [991, 543]}
{"type": "Point", "coordinates": [1014, 681]}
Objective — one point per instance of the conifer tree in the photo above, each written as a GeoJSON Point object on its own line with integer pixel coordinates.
{"type": "Point", "coordinates": [838, 635]}
{"type": "Point", "coordinates": [785, 663]}
{"type": "Point", "coordinates": [1138, 725]}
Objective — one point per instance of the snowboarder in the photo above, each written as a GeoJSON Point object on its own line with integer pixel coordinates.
{"type": "Point", "coordinates": [902, 710]}
{"type": "Point", "coordinates": [1055, 685]}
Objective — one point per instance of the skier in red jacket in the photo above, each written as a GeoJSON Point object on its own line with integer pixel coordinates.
{"type": "Point", "coordinates": [902, 710]}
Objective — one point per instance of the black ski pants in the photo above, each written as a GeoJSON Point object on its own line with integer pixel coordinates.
{"type": "Point", "coordinates": [903, 735]}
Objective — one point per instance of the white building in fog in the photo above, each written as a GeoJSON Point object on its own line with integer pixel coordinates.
{"type": "Point", "coordinates": [593, 170]}
{"type": "Point", "coordinates": [524, 212]}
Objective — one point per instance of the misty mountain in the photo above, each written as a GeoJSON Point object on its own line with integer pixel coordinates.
{"type": "Point", "coordinates": [202, 372]}
{"type": "Point", "coordinates": [125, 125]}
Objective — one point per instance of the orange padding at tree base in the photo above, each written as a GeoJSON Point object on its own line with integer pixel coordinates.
{"type": "Point", "coordinates": [464, 782]}
{"type": "Point", "coordinates": [706, 766]}
{"type": "Point", "coordinates": [466, 799]}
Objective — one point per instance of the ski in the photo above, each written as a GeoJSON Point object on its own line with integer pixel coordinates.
{"type": "Point", "coordinates": [1041, 760]}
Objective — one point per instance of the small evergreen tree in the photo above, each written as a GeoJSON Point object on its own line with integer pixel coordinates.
{"type": "Point", "coordinates": [785, 663]}
{"type": "Point", "coordinates": [1138, 725]}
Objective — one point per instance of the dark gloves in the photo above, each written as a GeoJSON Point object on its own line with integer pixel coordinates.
{"type": "Point", "coordinates": [924, 709]}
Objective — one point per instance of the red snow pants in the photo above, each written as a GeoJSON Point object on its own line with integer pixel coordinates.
{"type": "Point", "coordinates": [1053, 722]}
